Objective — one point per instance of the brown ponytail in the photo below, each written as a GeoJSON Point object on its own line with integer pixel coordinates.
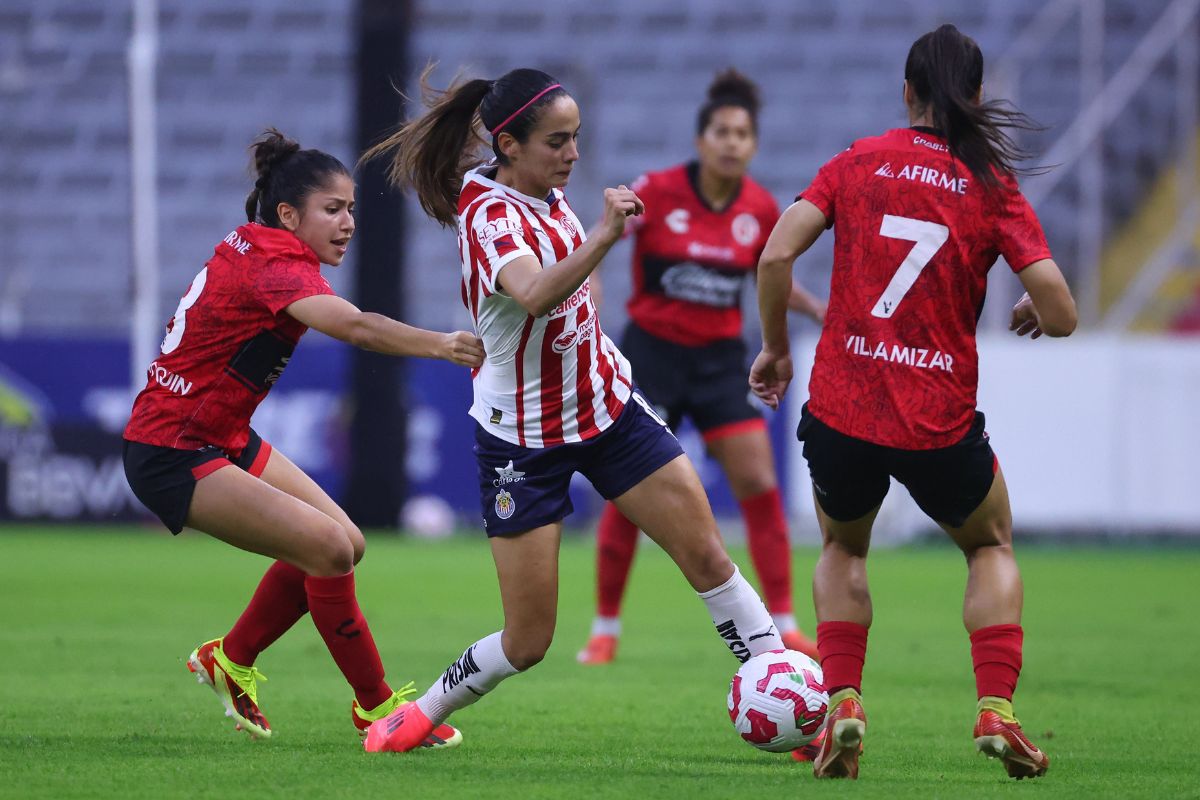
{"type": "Point", "coordinates": [945, 70]}
{"type": "Point", "coordinates": [431, 153]}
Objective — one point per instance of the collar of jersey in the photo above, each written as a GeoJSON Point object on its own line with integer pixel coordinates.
{"type": "Point", "coordinates": [477, 176]}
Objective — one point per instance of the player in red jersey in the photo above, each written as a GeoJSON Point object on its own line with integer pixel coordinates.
{"type": "Point", "coordinates": [919, 216]}
{"type": "Point", "coordinates": [699, 241]}
{"type": "Point", "coordinates": [230, 339]}
{"type": "Point", "coordinates": [554, 395]}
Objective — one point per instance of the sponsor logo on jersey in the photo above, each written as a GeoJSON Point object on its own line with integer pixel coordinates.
{"type": "Point", "coordinates": [729, 632]}
{"type": "Point", "coordinates": [745, 229]}
{"type": "Point", "coordinates": [493, 229]}
{"type": "Point", "coordinates": [921, 140]}
{"type": "Point", "coordinates": [698, 284]}
{"type": "Point", "coordinates": [460, 670]}
{"type": "Point", "coordinates": [169, 380]}
{"type": "Point", "coordinates": [506, 506]}
{"type": "Point", "coordinates": [573, 302]}
{"type": "Point", "coordinates": [237, 243]}
{"type": "Point", "coordinates": [919, 357]}
{"type": "Point", "coordinates": [677, 221]}
{"type": "Point", "coordinates": [575, 337]}
{"type": "Point", "coordinates": [922, 174]}
{"type": "Point", "coordinates": [708, 252]}
{"type": "Point", "coordinates": [508, 475]}
{"type": "Point", "coordinates": [497, 415]}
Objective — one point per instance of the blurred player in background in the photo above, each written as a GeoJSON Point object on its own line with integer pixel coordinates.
{"type": "Point", "coordinates": [920, 214]}
{"type": "Point", "coordinates": [231, 337]}
{"type": "Point", "coordinates": [554, 396]}
{"type": "Point", "coordinates": [704, 228]}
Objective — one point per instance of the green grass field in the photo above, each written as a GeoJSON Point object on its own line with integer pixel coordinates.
{"type": "Point", "coordinates": [96, 701]}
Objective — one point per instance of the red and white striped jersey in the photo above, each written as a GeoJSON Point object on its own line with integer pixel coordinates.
{"type": "Point", "coordinates": [546, 380]}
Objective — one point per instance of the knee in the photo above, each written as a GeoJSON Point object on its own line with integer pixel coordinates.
{"type": "Point", "coordinates": [752, 483]}
{"type": "Point", "coordinates": [332, 552]}
{"type": "Point", "coordinates": [358, 542]}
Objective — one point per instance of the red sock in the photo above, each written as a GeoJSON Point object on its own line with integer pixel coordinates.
{"type": "Point", "coordinates": [843, 647]}
{"type": "Point", "coordinates": [616, 541]}
{"type": "Point", "coordinates": [770, 550]}
{"type": "Point", "coordinates": [336, 614]}
{"type": "Point", "coordinates": [996, 653]}
{"type": "Point", "coordinates": [278, 603]}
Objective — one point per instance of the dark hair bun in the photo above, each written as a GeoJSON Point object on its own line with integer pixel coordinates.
{"type": "Point", "coordinates": [731, 85]}
{"type": "Point", "coordinates": [271, 148]}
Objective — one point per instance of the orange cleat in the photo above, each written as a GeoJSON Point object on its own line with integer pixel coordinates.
{"type": "Point", "coordinates": [443, 736]}
{"type": "Point", "coordinates": [235, 686]}
{"type": "Point", "coordinates": [809, 751]}
{"type": "Point", "coordinates": [406, 728]}
{"type": "Point", "coordinates": [997, 737]}
{"type": "Point", "coordinates": [845, 726]}
{"type": "Point", "coordinates": [600, 649]}
{"type": "Point", "coordinates": [796, 640]}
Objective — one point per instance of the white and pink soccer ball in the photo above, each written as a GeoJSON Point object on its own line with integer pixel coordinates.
{"type": "Point", "coordinates": [777, 700]}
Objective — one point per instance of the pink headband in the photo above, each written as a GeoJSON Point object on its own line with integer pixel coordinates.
{"type": "Point", "coordinates": [517, 113]}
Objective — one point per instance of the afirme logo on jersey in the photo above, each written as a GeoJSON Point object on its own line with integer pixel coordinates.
{"type": "Point", "coordinates": [923, 174]}
{"type": "Point", "coordinates": [237, 243]}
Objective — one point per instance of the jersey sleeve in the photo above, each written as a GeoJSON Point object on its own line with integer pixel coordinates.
{"type": "Point", "coordinates": [497, 236]}
{"type": "Point", "coordinates": [282, 282]}
{"type": "Point", "coordinates": [821, 191]}
{"type": "Point", "coordinates": [1019, 235]}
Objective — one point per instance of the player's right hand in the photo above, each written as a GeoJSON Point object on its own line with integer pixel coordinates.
{"type": "Point", "coordinates": [619, 204]}
{"type": "Point", "coordinates": [769, 377]}
{"type": "Point", "coordinates": [462, 348]}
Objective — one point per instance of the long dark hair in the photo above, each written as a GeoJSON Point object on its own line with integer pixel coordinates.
{"type": "Point", "coordinates": [729, 88]}
{"type": "Point", "coordinates": [286, 174]}
{"type": "Point", "coordinates": [945, 70]}
{"type": "Point", "coordinates": [431, 153]}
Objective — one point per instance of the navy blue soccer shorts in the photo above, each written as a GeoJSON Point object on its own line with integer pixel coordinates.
{"type": "Point", "coordinates": [522, 488]}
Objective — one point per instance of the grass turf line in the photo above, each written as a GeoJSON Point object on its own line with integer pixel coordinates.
{"type": "Point", "coordinates": [96, 701]}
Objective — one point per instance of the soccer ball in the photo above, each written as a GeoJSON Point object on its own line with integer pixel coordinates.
{"type": "Point", "coordinates": [777, 700]}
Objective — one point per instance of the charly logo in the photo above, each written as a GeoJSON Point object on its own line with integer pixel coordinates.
{"type": "Point", "coordinates": [507, 475]}
{"type": "Point", "coordinates": [745, 229]}
{"type": "Point", "coordinates": [677, 220]}
{"type": "Point", "coordinates": [506, 506]}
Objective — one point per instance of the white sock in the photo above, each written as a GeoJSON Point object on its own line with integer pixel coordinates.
{"type": "Point", "coordinates": [784, 623]}
{"type": "Point", "coordinates": [476, 672]}
{"type": "Point", "coordinates": [741, 618]}
{"type": "Point", "coordinates": [606, 626]}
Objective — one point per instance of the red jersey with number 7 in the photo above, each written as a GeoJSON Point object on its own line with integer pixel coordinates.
{"type": "Point", "coordinates": [915, 234]}
{"type": "Point", "coordinates": [228, 342]}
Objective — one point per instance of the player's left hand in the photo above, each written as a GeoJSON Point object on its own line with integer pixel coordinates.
{"type": "Point", "coordinates": [462, 348]}
{"type": "Point", "coordinates": [769, 377]}
{"type": "Point", "coordinates": [1025, 319]}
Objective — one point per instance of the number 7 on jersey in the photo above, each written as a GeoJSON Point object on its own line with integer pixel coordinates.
{"type": "Point", "coordinates": [928, 238]}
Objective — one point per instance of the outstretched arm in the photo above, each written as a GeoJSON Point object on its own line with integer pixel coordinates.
{"type": "Point", "coordinates": [341, 319]}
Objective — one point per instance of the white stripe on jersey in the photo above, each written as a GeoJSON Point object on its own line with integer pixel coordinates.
{"type": "Point", "coordinates": [546, 380]}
